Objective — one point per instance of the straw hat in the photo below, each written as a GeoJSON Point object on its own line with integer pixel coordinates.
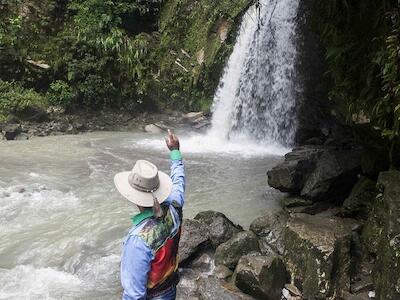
{"type": "Point", "coordinates": [143, 183]}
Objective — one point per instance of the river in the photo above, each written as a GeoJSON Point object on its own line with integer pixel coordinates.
{"type": "Point", "coordinates": [62, 221]}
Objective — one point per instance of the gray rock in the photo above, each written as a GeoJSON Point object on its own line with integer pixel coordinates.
{"type": "Point", "coordinates": [382, 230]}
{"type": "Point", "coordinates": [316, 208]}
{"type": "Point", "coordinates": [334, 175]}
{"type": "Point", "coordinates": [192, 117]}
{"type": "Point", "coordinates": [317, 254]}
{"type": "Point", "coordinates": [187, 286]}
{"type": "Point", "coordinates": [22, 137]}
{"type": "Point", "coordinates": [152, 128]}
{"type": "Point", "coordinates": [194, 237]}
{"type": "Point", "coordinates": [229, 253]}
{"type": "Point", "coordinates": [317, 173]}
{"type": "Point", "coordinates": [263, 277]}
{"type": "Point", "coordinates": [293, 290]}
{"type": "Point", "coordinates": [291, 174]}
{"type": "Point", "coordinates": [295, 202]}
{"type": "Point", "coordinates": [222, 272]}
{"type": "Point", "coordinates": [211, 288]}
{"type": "Point", "coordinates": [269, 229]}
{"type": "Point", "coordinates": [11, 131]}
{"type": "Point", "coordinates": [221, 228]}
{"type": "Point", "coordinates": [203, 262]}
{"type": "Point", "coordinates": [361, 196]}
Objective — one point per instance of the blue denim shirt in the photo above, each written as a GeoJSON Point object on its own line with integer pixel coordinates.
{"type": "Point", "coordinates": [136, 255]}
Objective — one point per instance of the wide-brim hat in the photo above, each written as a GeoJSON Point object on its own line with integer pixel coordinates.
{"type": "Point", "coordinates": [143, 183]}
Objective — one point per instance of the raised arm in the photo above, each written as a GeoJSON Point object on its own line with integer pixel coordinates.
{"type": "Point", "coordinates": [177, 170]}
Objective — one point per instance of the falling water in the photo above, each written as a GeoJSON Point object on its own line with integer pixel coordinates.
{"type": "Point", "coordinates": [256, 97]}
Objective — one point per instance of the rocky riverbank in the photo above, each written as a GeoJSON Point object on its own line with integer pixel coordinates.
{"type": "Point", "coordinates": [336, 238]}
{"type": "Point", "coordinates": [56, 122]}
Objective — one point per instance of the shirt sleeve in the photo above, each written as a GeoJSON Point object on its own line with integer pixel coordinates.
{"type": "Point", "coordinates": [178, 178]}
{"type": "Point", "coordinates": [135, 266]}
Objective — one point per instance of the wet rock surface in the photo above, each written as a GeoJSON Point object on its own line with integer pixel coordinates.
{"type": "Point", "coordinates": [261, 276]}
{"type": "Point", "coordinates": [291, 174]}
{"type": "Point", "coordinates": [269, 229]}
{"type": "Point", "coordinates": [361, 197]}
{"type": "Point", "coordinates": [229, 253]}
{"type": "Point", "coordinates": [317, 172]}
{"type": "Point", "coordinates": [211, 288]}
{"type": "Point", "coordinates": [335, 173]}
{"type": "Point", "coordinates": [383, 226]}
{"type": "Point", "coordinates": [220, 227]}
{"type": "Point", "coordinates": [317, 254]}
{"type": "Point", "coordinates": [194, 237]}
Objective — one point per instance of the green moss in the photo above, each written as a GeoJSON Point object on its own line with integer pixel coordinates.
{"type": "Point", "coordinates": [382, 238]}
{"type": "Point", "coordinates": [195, 27]}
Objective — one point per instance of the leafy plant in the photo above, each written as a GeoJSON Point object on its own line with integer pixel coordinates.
{"type": "Point", "coordinates": [14, 99]}
{"type": "Point", "coordinates": [361, 40]}
{"type": "Point", "coordinates": [60, 93]}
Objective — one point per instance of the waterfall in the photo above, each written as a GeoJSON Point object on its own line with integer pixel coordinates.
{"type": "Point", "coordinates": [256, 97]}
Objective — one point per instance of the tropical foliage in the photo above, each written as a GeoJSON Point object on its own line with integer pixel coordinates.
{"type": "Point", "coordinates": [135, 54]}
{"type": "Point", "coordinates": [362, 44]}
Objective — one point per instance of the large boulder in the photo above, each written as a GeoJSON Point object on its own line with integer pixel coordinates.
{"type": "Point", "coordinates": [317, 254]}
{"type": "Point", "coordinates": [317, 173]}
{"type": "Point", "coordinates": [291, 174]}
{"type": "Point", "coordinates": [263, 277]}
{"type": "Point", "coordinates": [220, 227]}
{"type": "Point", "coordinates": [211, 288]}
{"type": "Point", "coordinates": [360, 198]}
{"type": "Point", "coordinates": [383, 232]}
{"type": "Point", "coordinates": [194, 237]}
{"type": "Point", "coordinates": [334, 174]}
{"type": "Point", "coordinates": [229, 253]}
{"type": "Point", "coordinates": [269, 228]}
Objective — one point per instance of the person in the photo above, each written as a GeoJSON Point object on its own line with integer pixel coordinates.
{"type": "Point", "coordinates": [149, 260]}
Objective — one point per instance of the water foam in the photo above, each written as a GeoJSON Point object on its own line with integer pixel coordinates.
{"type": "Point", "coordinates": [28, 282]}
{"type": "Point", "coordinates": [29, 204]}
{"type": "Point", "coordinates": [199, 143]}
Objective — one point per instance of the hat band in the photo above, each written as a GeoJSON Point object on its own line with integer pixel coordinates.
{"type": "Point", "coordinates": [143, 188]}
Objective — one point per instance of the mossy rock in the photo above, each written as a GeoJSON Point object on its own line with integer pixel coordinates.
{"type": "Point", "coordinates": [360, 199]}
{"type": "Point", "coordinates": [229, 253]}
{"type": "Point", "coordinates": [263, 277]}
{"type": "Point", "coordinates": [317, 254]}
{"type": "Point", "coordinates": [381, 235]}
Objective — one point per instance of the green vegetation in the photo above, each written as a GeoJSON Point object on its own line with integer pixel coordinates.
{"type": "Point", "coordinates": [138, 55]}
{"type": "Point", "coordinates": [362, 44]}
{"type": "Point", "coordinates": [16, 100]}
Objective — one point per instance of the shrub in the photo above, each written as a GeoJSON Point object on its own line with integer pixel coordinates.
{"type": "Point", "coordinates": [96, 91]}
{"type": "Point", "coordinates": [15, 99]}
{"type": "Point", "coordinates": [60, 93]}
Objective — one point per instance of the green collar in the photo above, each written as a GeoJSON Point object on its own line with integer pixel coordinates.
{"type": "Point", "coordinates": [137, 219]}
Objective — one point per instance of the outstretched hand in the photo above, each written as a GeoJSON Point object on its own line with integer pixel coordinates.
{"type": "Point", "coordinates": [172, 141]}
